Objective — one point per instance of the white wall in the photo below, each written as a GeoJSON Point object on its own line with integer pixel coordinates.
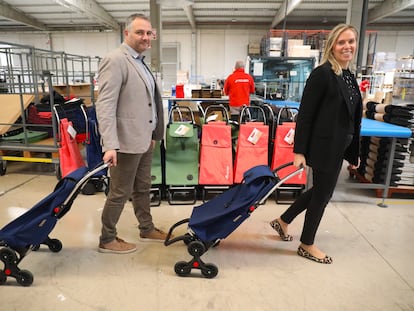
{"type": "Point", "coordinates": [400, 42]}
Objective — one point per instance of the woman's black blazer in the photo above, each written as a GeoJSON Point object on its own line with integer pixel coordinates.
{"type": "Point", "coordinates": [323, 121]}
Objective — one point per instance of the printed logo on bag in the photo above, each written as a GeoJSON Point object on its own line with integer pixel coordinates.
{"type": "Point", "coordinates": [182, 130]}
{"type": "Point", "coordinates": [290, 136]}
{"type": "Point", "coordinates": [254, 136]}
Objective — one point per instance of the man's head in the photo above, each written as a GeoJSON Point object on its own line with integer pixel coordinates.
{"type": "Point", "coordinates": [239, 64]}
{"type": "Point", "coordinates": [138, 32]}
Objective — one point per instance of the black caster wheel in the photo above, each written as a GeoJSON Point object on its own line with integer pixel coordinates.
{"type": "Point", "coordinates": [24, 278]}
{"type": "Point", "coordinates": [55, 245]}
{"type": "Point", "coordinates": [8, 256]}
{"type": "Point", "coordinates": [196, 248]}
{"type": "Point", "coordinates": [210, 271]}
{"type": "Point", "coordinates": [3, 277]}
{"type": "Point", "coordinates": [99, 185]}
{"type": "Point", "coordinates": [182, 268]}
{"type": "Point", "coordinates": [3, 168]}
{"type": "Point", "coordinates": [36, 247]}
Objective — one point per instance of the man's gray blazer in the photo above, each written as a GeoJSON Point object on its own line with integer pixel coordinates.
{"type": "Point", "coordinates": [124, 105]}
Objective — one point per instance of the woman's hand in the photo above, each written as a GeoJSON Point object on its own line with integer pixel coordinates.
{"type": "Point", "coordinates": [299, 160]}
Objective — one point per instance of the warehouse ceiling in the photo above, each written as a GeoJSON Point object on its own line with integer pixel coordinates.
{"type": "Point", "coordinates": [109, 15]}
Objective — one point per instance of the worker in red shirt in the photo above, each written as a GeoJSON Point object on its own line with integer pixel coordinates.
{"type": "Point", "coordinates": [238, 86]}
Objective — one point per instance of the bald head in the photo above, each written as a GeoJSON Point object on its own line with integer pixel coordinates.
{"type": "Point", "coordinates": [239, 64]}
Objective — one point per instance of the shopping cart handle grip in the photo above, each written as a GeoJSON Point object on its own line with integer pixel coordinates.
{"type": "Point", "coordinates": [282, 166]}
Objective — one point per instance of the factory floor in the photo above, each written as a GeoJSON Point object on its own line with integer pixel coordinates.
{"type": "Point", "coordinates": [372, 250]}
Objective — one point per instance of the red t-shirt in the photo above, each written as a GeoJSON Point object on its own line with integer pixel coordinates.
{"type": "Point", "coordinates": [238, 86]}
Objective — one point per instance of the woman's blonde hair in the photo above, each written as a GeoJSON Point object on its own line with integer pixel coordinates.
{"type": "Point", "coordinates": [330, 43]}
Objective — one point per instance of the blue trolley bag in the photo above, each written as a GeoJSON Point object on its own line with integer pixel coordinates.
{"type": "Point", "coordinates": [220, 216]}
{"type": "Point", "coordinates": [100, 180]}
{"type": "Point", "coordinates": [32, 228]}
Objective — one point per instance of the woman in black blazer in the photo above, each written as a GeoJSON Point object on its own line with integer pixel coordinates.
{"type": "Point", "coordinates": [327, 131]}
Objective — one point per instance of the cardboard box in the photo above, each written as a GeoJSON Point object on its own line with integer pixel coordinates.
{"type": "Point", "coordinates": [275, 53]}
{"type": "Point", "coordinates": [299, 51]}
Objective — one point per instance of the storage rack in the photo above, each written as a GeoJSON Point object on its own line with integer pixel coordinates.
{"type": "Point", "coordinates": [28, 73]}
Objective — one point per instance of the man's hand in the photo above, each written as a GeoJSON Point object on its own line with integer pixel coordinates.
{"type": "Point", "coordinates": [110, 157]}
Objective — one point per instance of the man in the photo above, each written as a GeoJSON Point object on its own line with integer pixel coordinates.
{"type": "Point", "coordinates": [238, 86]}
{"type": "Point", "coordinates": [130, 117]}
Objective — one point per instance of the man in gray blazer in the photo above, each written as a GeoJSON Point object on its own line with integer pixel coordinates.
{"type": "Point", "coordinates": [130, 117]}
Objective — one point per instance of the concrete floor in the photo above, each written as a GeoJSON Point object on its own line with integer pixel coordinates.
{"type": "Point", "coordinates": [372, 249]}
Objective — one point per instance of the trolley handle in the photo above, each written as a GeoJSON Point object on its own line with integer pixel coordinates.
{"type": "Point", "coordinates": [179, 109]}
{"type": "Point", "coordinates": [60, 211]}
{"type": "Point", "coordinates": [219, 107]}
{"type": "Point", "coordinates": [247, 110]}
{"type": "Point", "coordinates": [282, 166]}
{"type": "Point", "coordinates": [289, 110]}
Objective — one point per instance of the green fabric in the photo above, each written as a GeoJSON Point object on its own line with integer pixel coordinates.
{"type": "Point", "coordinates": [156, 167]}
{"type": "Point", "coordinates": [32, 137]}
{"type": "Point", "coordinates": [181, 156]}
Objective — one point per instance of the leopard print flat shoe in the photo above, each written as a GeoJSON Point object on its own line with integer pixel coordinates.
{"type": "Point", "coordinates": [302, 252]}
{"type": "Point", "coordinates": [278, 228]}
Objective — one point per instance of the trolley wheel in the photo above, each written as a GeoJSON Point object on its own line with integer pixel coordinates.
{"type": "Point", "coordinates": [36, 247]}
{"type": "Point", "coordinates": [196, 248]}
{"type": "Point", "coordinates": [24, 278]}
{"type": "Point", "coordinates": [3, 167]}
{"type": "Point", "coordinates": [99, 185]}
{"type": "Point", "coordinates": [8, 256]}
{"type": "Point", "coordinates": [210, 271]}
{"type": "Point", "coordinates": [182, 268]}
{"type": "Point", "coordinates": [3, 277]}
{"type": "Point", "coordinates": [55, 245]}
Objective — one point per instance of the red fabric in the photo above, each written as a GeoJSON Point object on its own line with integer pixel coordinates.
{"type": "Point", "coordinates": [36, 117]}
{"type": "Point", "coordinates": [69, 155]}
{"type": "Point", "coordinates": [283, 153]}
{"type": "Point", "coordinates": [238, 86]}
{"type": "Point", "coordinates": [250, 154]}
{"type": "Point", "coordinates": [216, 160]}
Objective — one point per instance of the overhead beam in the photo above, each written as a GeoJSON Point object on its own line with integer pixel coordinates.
{"type": "Point", "coordinates": [388, 7]}
{"type": "Point", "coordinates": [285, 9]}
{"type": "Point", "coordinates": [188, 9]}
{"type": "Point", "coordinates": [92, 10]}
{"type": "Point", "coordinates": [8, 12]}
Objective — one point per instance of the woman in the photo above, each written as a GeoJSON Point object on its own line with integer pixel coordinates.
{"type": "Point", "coordinates": [327, 131]}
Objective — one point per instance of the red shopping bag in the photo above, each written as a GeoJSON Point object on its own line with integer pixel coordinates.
{"type": "Point", "coordinates": [70, 157]}
{"type": "Point", "coordinates": [252, 148]}
{"type": "Point", "coordinates": [216, 167]}
{"type": "Point", "coordinates": [283, 153]}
